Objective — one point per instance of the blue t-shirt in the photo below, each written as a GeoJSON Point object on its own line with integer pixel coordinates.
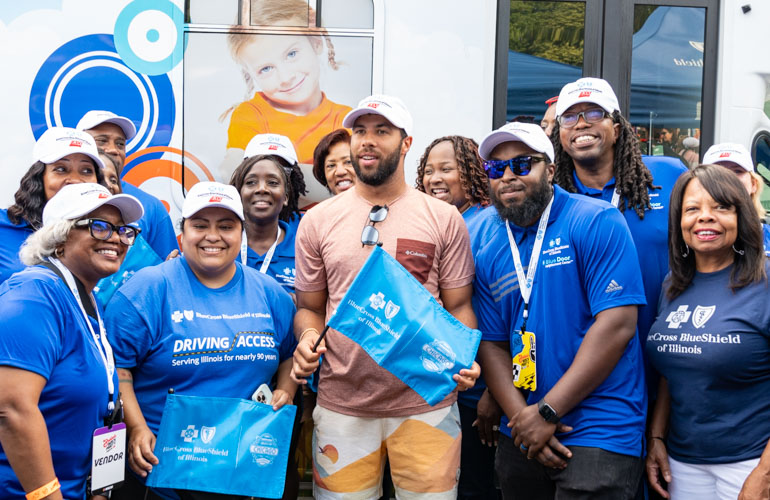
{"type": "Point", "coordinates": [174, 332]}
{"type": "Point", "coordinates": [281, 266]}
{"type": "Point", "coordinates": [588, 264]}
{"type": "Point", "coordinates": [650, 234]}
{"type": "Point", "coordinates": [11, 237]}
{"type": "Point", "coordinates": [713, 347]}
{"type": "Point", "coordinates": [766, 238]}
{"type": "Point", "coordinates": [44, 332]}
{"type": "Point", "coordinates": [156, 225]}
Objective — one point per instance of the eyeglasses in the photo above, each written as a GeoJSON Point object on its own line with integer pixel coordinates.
{"type": "Point", "coordinates": [593, 115]}
{"type": "Point", "coordinates": [370, 235]}
{"type": "Point", "coordinates": [521, 165]}
{"type": "Point", "coordinates": [102, 230]}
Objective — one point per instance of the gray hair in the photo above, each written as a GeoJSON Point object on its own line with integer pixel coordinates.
{"type": "Point", "coordinates": [43, 243]}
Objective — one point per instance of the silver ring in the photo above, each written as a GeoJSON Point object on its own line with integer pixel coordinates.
{"type": "Point", "coordinates": [495, 428]}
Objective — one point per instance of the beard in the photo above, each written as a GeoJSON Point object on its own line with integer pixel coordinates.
{"type": "Point", "coordinates": [387, 166]}
{"type": "Point", "coordinates": [526, 212]}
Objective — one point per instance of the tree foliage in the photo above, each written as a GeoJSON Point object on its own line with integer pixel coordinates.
{"type": "Point", "coordinates": [551, 30]}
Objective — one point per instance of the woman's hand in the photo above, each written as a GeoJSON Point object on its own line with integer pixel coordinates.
{"type": "Point", "coordinates": [487, 422]}
{"type": "Point", "coordinates": [466, 379]}
{"type": "Point", "coordinates": [657, 465]}
{"type": "Point", "coordinates": [141, 443]}
{"type": "Point", "coordinates": [281, 398]}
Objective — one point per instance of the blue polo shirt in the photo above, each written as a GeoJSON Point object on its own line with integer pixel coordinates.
{"type": "Point", "coordinates": [588, 264]}
{"type": "Point", "coordinates": [11, 237]}
{"type": "Point", "coordinates": [650, 234]}
{"type": "Point", "coordinates": [174, 332]}
{"type": "Point", "coordinates": [156, 225]}
{"type": "Point", "coordinates": [281, 266]}
{"type": "Point", "coordinates": [44, 332]}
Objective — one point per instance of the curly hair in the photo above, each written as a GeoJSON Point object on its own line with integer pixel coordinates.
{"type": "Point", "coordinates": [473, 178]}
{"type": "Point", "coordinates": [632, 177]}
{"type": "Point", "coordinates": [43, 243]}
{"type": "Point", "coordinates": [322, 151]}
{"type": "Point", "coordinates": [725, 188]}
{"type": "Point", "coordinates": [294, 182]}
{"type": "Point", "coordinates": [30, 199]}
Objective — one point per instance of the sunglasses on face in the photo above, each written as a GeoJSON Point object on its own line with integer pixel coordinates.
{"type": "Point", "coordinates": [102, 230]}
{"type": "Point", "coordinates": [370, 235]}
{"type": "Point", "coordinates": [521, 165]}
{"type": "Point", "coordinates": [593, 115]}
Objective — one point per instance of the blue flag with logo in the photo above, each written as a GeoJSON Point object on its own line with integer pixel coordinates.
{"type": "Point", "coordinates": [404, 329]}
{"type": "Point", "coordinates": [223, 445]}
{"type": "Point", "coordinates": [139, 256]}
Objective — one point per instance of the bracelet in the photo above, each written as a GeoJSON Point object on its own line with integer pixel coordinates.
{"type": "Point", "coordinates": [44, 490]}
{"type": "Point", "coordinates": [658, 437]}
{"type": "Point", "coordinates": [307, 330]}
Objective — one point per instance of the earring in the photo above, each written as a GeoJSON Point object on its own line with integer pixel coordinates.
{"type": "Point", "coordinates": [739, 252]}
{"type": "Point", "coordinates": [58, 252]}
{"type": "Point", "coordinates": [686, 252]}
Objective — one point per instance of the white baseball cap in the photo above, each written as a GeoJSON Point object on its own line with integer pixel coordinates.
{"type": "Point", "coordinates": [384, 105]}
{"type": "Point", "coordinates": [594, 90]}
{"type": "Point", "coordinates": [729, 151]}
{"type": "Point", "coordinates": [271, 144]}
{"type": "Point", "coordinates": [212, 194]}
{"type": "Point", "coordinates": [76, 200]}
{"type": "Point", "coordinates": [58, 142]}
{"type": "Point", "coordinates": [530, 134]}
{"type": "Point", "coordinates": [97, 117]}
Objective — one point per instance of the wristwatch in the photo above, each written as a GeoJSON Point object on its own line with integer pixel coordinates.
{"type": "Point", "coordinates": [547, 412]}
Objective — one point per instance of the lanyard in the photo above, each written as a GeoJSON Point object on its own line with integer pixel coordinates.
{"type": "Point", "coordinates": [268, 255]}
{"type": "Point", "coordinates": [105, 350]}
{"type": "Point", "coordinates": [615, 198]}
{"type": "Point", "coordinates": [526, 282]}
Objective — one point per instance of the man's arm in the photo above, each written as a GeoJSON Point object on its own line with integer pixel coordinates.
{"type": "Point", "coordinates": [308, 325]}
{"type": "Point", "coordinates": [457, 301]}
{"type": "Point", "coordinates": [600, 351]}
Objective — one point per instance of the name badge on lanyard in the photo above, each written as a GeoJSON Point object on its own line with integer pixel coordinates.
{"type": "Point", "coordinates": [108, 458]}
{"type": "Point", "coordinates": [523, 348]}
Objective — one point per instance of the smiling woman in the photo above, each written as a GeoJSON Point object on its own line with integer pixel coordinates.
{"type": "Point", "coordinates": [169, 319]}
{"type": "Point", "coordinates": [709, 343]}
{"type": "Point", "coordinates": [55, 370]}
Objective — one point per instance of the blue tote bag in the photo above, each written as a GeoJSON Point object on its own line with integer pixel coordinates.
{"type": "Point", "coordinates": [223, 445]}
{"type": "Point", "coordinates": [404, 329]}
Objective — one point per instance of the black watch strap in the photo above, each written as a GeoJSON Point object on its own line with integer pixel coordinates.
{"type": "Point", "coordinates": [547, 412]}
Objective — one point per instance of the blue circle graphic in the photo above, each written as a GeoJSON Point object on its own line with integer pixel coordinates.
{"type": "Point", "coordinates": [123, 41]}
{"type": "Point", "coordinates": [86, 74]}
{"type": "Point", "coordinates": [153, 35]}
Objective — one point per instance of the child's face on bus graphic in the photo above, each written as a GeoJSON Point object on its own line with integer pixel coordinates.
{"type": "Point", "coordinates": [286, 68]}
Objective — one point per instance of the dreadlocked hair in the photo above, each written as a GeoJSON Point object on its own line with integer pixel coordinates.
{"type": "Point", "coordinates": [632, 177]}
{"type": "Point", "coordinates": [30, 198]}
{"type": "Point", "coordinates": [473, 178]}
{"type": "Point", "coordinates": [293, 180]}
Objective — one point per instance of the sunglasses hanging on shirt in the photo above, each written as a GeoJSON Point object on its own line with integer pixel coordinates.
{"type": "Point", "coordinates": [370, 235]}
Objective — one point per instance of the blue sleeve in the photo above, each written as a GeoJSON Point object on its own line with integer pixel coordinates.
{"type": "Point", "coordinates": [609, 262]}
{"type": "Point", "coordinates": [160, 235]}
{"type": "Point", "coordinates": [283, 311]}
{"type": "Point", "coordinates": [31, 328]}
{"type": "Point", "coordinates": [128, 332]}
{"type": "Point", "coordinates": [488, 312]}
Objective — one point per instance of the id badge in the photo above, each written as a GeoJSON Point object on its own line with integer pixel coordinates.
{"type": "Point", "coordinates": [524, 372]}
{"type": "Point", "coordinates": [108, 455]}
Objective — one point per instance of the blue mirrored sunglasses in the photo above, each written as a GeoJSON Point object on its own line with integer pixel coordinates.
{"type": "Point", "coordinates": [521, 165]}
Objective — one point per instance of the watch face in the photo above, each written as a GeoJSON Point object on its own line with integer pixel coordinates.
{"type": "Point", "coordinates": [548, 413]}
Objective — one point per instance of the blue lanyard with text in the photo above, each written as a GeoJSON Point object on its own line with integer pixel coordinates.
{"type": "Point", "coordinates": [102, 344]}
{"type": "Point", "coordinates": [526, 282]}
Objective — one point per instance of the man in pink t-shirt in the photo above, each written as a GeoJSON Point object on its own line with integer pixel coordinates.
{"type": "Point", "coordinates": [364, 413]}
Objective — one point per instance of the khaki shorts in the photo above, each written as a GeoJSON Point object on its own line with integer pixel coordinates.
{"type": "Point", "coordinates": [349, 455]}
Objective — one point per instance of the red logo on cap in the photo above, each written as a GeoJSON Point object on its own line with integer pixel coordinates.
{"type": "Point", "coordinates": [76, 144]}
{"type": "Point", "coordinates": [103, 195]}
{"type": "Point", "coordinates": [272, 146]}
{"type": "Point", "coordinates": [726, 154]}
{"type": "Point", "coordinates": [215, 198]}
{"type": "Point", "coordinates": [585, 93]}
{"type": "Point", "coordinates": [373, 104]}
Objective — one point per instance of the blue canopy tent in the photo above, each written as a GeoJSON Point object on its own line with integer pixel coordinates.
{"type": "Point", "coordinates": [666, 72]}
